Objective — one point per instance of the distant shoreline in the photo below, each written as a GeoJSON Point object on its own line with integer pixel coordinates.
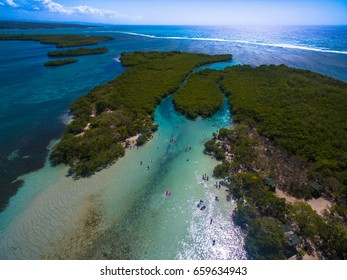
{"type": "Point", "coordinates": [7, 24]}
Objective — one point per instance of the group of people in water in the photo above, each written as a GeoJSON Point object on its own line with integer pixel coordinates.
{"type": "Point", "coordinates": [147, 168]}
{"type": "Point", "coordinates": [167, 192]}
{"type": "Point", "coordinates": [201, 205]}
{"type": "Point", "coordinates": [217, 185]}
{"type": "Point", "coordinates": [205, 177]}
{"type": "Point", "coordinates": [188, 149]}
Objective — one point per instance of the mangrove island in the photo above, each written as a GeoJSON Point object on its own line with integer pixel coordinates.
{"type": "Point", "coordinates": [60, 62]}
{"type": "Point", "coordinates": [288, 141]}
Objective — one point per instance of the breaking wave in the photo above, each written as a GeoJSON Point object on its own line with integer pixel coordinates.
{"type": "Point", "coordinates": [278, 45]}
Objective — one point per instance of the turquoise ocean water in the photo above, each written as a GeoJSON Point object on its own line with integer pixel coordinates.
{"type": "Point", "coordinates": [122, 212]}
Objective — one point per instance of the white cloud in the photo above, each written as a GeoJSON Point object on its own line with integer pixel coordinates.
{"type": "Point", "coordinates": [93, 11]}
{"type": "Point", "coordinates": [12, 4]}
{"type": "Point", "coordinates": [54, 7]}
{"type": "Point", "coordinates": [81, 10]}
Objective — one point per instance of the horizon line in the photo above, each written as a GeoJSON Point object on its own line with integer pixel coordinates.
{"type": "Point", "coordinates": [163, 24]}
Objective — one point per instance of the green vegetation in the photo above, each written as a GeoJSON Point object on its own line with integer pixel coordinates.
{"type": "Point", "coordinates": [60, 62]}
{"type": "Point", "coordinates": [301, 111]}
{"type": "Point", "coordinates": [212, 149]}
{"type": "Point", "coordinates": [59, 40]}
{"type": "Point", "coordinates": [36, 25]}
{"type": "Point", "coordinates": [259, 211]}
{"type": "Point", "coordinates": [265, 239]}
{"type": "Point", "coordinates": [328, 236]}
{"type": "Point", "coordinates": [110, 113]}
{"type": "Point", "coordinates": [221, 170]}
{"type": "Point", "coordinates": [62, 41]}
{"type": "Point", "coordinates": [77, 52]}
{"type": "Point", "coordinates": [264, 216]}
{"type": "Point", "coordinates": [200, 95]}
{"type": "Point", "coordinates": [276, 107]}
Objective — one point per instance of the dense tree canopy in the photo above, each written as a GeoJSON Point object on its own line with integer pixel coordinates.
{"type": "Point", "coordinates": [60, 62]}
{"type": "Point", "coordinates": [299, 111]}
{"type": "Point", "coordinates": [62, 41]}
{"type": "Point", "coordinates": [59, 40]}
{"type": "Point", "coordinates": [303, 112]}
{"type": "Point", "coordinates": [121, 108]}
{"type": "Point", "coordinates": [265, 239]}
{"type": "Point", "coordinates": [328, 236]}
{"type": "Point", "coordinates": [77, 52]}
{"type": "Point", "coordinates": [200, 95]}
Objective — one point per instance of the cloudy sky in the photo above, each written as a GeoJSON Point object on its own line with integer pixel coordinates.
{"type": "Point", "coordinates": [210, 12]}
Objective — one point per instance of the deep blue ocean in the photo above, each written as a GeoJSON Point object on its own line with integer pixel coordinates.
{"type": "Point", "coordinates": [34, 99]}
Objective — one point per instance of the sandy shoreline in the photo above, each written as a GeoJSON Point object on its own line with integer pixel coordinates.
{"type": "Point", "coordinates": [319, 204]}
{"type": "Point", "coordinates": [133, 139]}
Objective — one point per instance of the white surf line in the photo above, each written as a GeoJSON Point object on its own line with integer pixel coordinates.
{"type": "Point", "coordinates": [286, 46]}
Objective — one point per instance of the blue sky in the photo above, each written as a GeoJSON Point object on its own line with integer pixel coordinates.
{"type": "Point", "coordinates": [208, 12]}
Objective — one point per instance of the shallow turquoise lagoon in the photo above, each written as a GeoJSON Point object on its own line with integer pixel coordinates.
{"type": "Point", "coordinates": [122, 212]}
